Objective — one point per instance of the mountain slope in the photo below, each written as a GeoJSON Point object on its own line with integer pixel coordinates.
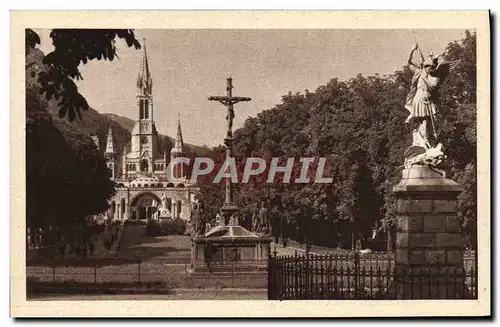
{"type": "Point", "coordinates": [166, 142]}
{"type": "Point", "coordinates": [95, 123]}
{"type": "Point", "coordinates": [92, 122]}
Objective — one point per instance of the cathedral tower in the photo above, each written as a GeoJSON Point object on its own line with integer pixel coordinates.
{"type": "Point", "coordinates": [145, 90]}
{"type": "Point", "coordinates": [110, 154]}
{"type": "Point", "coordinates": [144, 134]}
{"type": "Point", "coordinates": [178, 171]}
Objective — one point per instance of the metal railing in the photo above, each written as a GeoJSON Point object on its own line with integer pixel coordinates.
{"type": "Point", "coordinates": [118, 271]}
{"type": "Point", "coordinates": [367, 277]}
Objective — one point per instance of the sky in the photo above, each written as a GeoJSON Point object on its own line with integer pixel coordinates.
{"type": "Point", "coordinates": [188, 66]}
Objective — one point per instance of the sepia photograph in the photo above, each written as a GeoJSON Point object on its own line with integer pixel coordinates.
{"type": "Point", "coordinates": [252, 164]}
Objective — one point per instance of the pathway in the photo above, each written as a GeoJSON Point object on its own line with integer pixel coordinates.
{"type": "Point", "coordinates": [177, 294]}
{"type": "Point", "coordinates": [168, 249]}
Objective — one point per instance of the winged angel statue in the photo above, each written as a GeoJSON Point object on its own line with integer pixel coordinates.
{"type": "Point", "coordinates": [422, 103]}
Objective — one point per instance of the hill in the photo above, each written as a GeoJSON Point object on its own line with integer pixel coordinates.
{"type": "Point", "coordinates": [125, 122]}
{"type": "Point", "coordinates": [92, 122]}
{"type": "Point", "coordinates": [164, 140]}
{"type": "Point", "coordinates": [95, 123]}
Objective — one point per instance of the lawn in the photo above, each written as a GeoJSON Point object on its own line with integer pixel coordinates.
{"type": "Point", "coordinates": [175, 295]}
{"type": "Point", "coordinates": [136, 245]}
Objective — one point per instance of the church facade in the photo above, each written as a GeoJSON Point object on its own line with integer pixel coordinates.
{"type": "Point", "coordinates": [145, 189]}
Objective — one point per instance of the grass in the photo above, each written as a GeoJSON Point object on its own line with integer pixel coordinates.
{"type": "Point", "coordinates": [35, 287]}
{"type": "Point", "coordinates": [172, 295]}
{"type": "Point", "coordinates": [172, 248]}
{"type": "Point", "coordinates": [149, 272]}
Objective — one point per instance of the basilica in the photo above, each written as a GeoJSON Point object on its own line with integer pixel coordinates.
{"type": "Point", "coordinates": [145, 189]}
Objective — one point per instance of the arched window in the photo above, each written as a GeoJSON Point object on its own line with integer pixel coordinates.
{"type": "Point", "coordinates": [180, 185]}
{"type": "Point", "coordinates": [146, 109]}
{"type": "Point", "coordinates": [170, 185]}
{"type": "Point", "coordinates": [146, 185]}
{"type": "Point", "coordinates": [144, 166]}
{"type": "Point", "coordinates": [179, 209]}
{"type": "Point", "coordinates": [122, 208]}
{"type": "Point", "coordinates": [141, 109]}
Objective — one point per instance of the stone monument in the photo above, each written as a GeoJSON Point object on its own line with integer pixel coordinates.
{"type": "Point", "coordinates": [429, 262]}
{"type": "Point", "coordinates": [228, 247]}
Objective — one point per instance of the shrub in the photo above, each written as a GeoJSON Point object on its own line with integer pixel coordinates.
{"type": "Point", "coordinates": [153, 228]}
{"type": "Point", "coordinates": [167, 227]}
{"type": "Point", "coordinates": [174, 226]}
{"type": "Point", "coordinates": [108, 244]}
{"type": "Point", "coordinates": [134, 222]}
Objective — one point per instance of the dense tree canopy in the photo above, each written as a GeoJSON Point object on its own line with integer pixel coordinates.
{"type": "Point", "coordinates": [73, 47]}
{"type": "Point", "coordinates": [358, 124]}
{"type": "Point", "coordinates": [66, 176]}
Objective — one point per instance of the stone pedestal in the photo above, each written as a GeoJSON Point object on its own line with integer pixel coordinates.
{"type": "Point", "coordinates": [228, 252]}
{"type": "Point", "coordinates": [429, 260]}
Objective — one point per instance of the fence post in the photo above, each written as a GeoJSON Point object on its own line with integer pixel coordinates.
{"type": "Point", "coordinates": [232, 273]}
{"type": "Point", "coordinates": [269, 277]}
{"type": "Point", "coordinates": [139, 272]}
{"type": "Point", "coordinates": [475, 274]}
{"type": "Point", "coordinates": [296, 266]}
{"type": "Point", "coordinates": [54, 274]}
{"type": "Point", "coordinates": [356, 274]}
{"type": "Point", "coordinates": [95, 273]}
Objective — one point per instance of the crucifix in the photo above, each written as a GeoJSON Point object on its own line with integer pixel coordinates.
{"type": "Point", "coordinates": [229, 101]}
{"type": "Point", "coordinates": [229, 208]}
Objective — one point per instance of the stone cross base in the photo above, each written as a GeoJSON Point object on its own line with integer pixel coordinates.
{"type": "Point", "coordinates": [241, 254]}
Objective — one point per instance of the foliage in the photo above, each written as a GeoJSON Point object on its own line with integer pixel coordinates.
{"type": "Point", "coordinates": [166, 227]}
{"type": "Point", "coordinates": [358, 124]}
{"type": "Point", "coordinates": [66, 176]}
{"type": "Point", "coordinates": [73, 47]}
{"type": "Point", "coordinates": [135, 222]}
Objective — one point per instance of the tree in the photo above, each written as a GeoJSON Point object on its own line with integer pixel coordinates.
{"type": "Point", "coordinates": [73, 47]}
{"type": "Point", "coordinates": [358, 125]}
{"type": "Point", "coordinates": [66, 176]}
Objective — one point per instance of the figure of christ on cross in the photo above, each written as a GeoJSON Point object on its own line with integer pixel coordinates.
{"type": "Point", "coordinates": [229, 209]}
{"type": "Point", "coordinates": [229, 101]}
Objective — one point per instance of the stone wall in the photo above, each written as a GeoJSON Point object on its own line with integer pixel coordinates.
{"type": "Point", "coordinates": [428, 233]}
{"type": "Point", "coordinates": [429, 242]}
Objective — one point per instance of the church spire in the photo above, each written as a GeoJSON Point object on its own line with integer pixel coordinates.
{"type": "Point", "coordinates": [144, 80]}
{"type": "Point", "coordinates": [179, 143]}
{"type": "Point", "coordinates": [109, 145]}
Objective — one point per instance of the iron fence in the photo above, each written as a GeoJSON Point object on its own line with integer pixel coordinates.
{"type": "Point", "coordinates": [366, 277]}
{"type": "Point", "coordinates": [120, 271]}
{"type": "Point", "coordinates": [170, 273]}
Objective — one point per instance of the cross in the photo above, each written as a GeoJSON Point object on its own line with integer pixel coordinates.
{"type": "Point", "coordinates": [229, 101]}
{"type": "Point", "coordinates": [229, 209]}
